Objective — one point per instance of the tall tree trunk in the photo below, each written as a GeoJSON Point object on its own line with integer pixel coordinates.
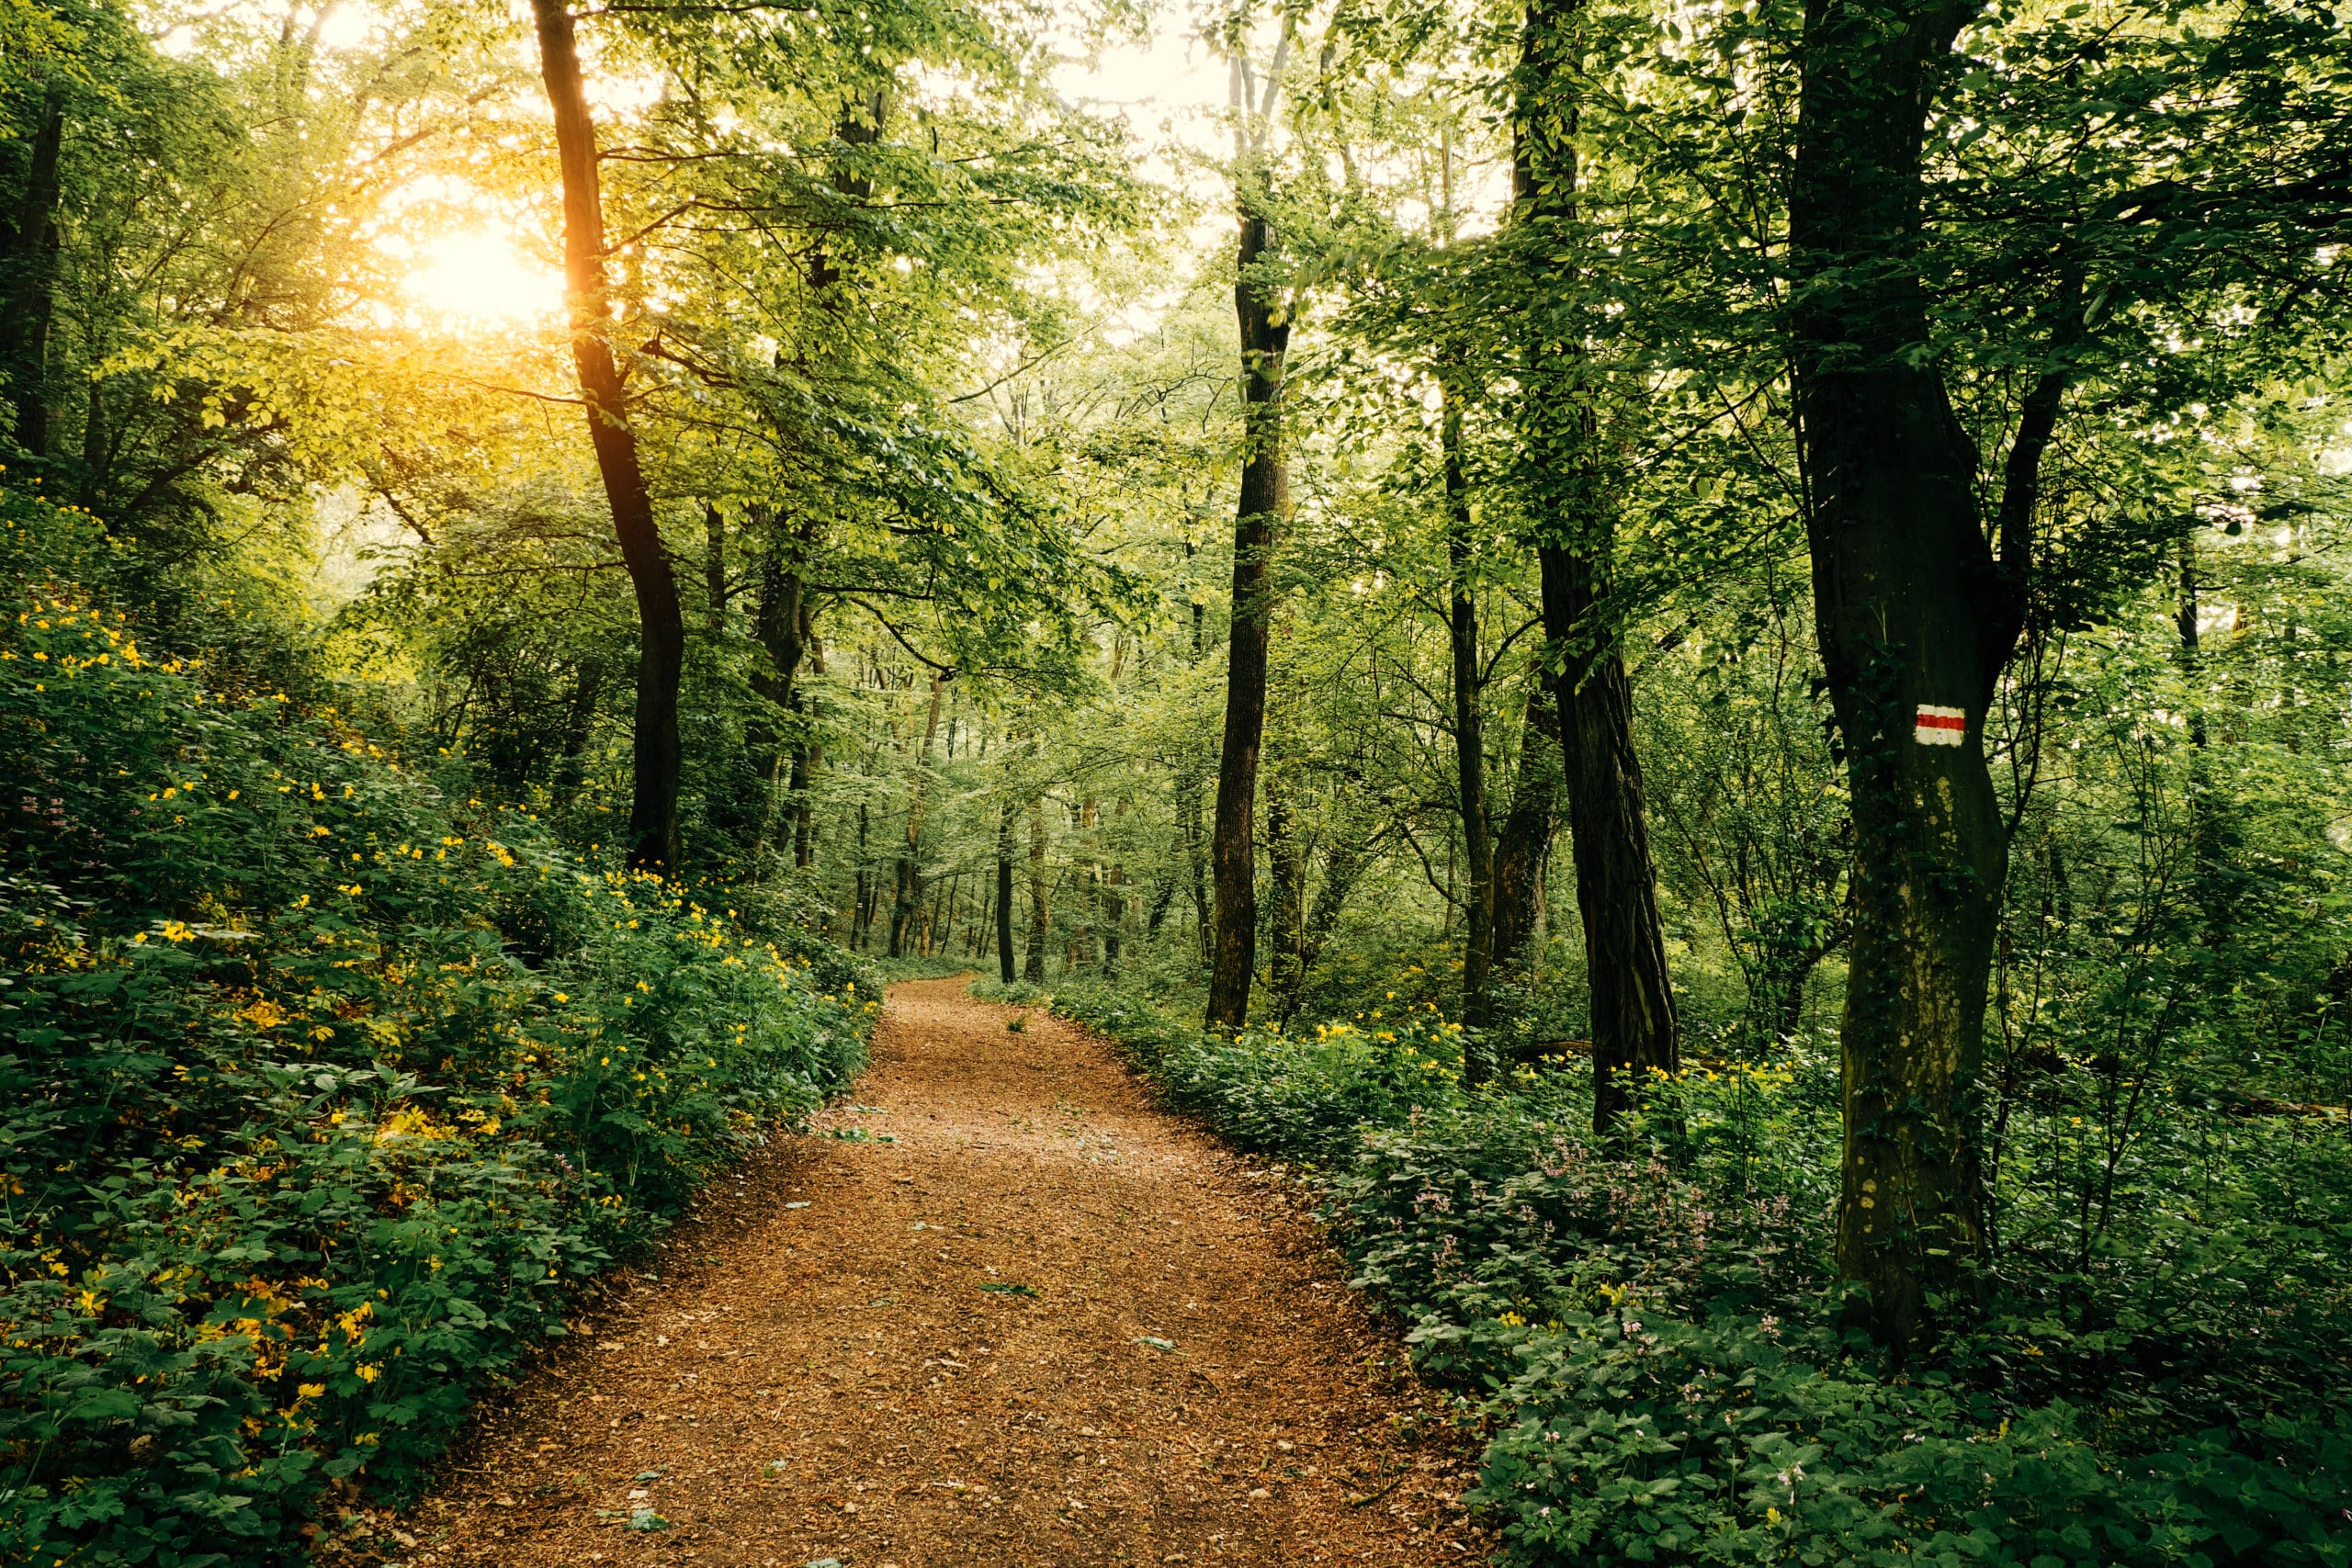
{"type": "Point", "coordinates": [1917, 619]}
{"type": "Point", "coordinates": [96, 449]}
{"type": "Point", "coordinates": [1113, 904]}
{"type": "Point", "coordinates": [1633, 1030]}
{"type": "Point", "coordinates": [780, 622]}
{"type": "Point", "coordinates": [2213, 879]}
{"type": "Point", "coordinates": [862, 910]}
{"type": "Point", "coordinates": [1004, 891]}
{"type": "Point", "coordinates": [1469, 745]}
{"type": "Point", "coordinates": [1039, 915]}
{"type": "Point", "coordinates": [808, 754]}
{"type": "Point", "coordinates": [1265, 497]}
{"type": "Point", "coordinates": [653, 804]}
{"type": "Point", "coordinates": [1090, 883]}
{"type": "Point", "coordinates": [1524, 841]}
{"type": "Point", "coordinates": [909, 877]}
{"type": "Point", "coordinates": [31, 280]}
{"type": "Point", "coordinates": [1633, 1033]}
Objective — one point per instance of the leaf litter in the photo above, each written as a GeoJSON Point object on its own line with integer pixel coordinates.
{"type": "Point", "coordinates": [792, 1425]}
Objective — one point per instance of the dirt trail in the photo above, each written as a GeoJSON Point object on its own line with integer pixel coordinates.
{"type": "Point", "coordinates": [840, 1356]}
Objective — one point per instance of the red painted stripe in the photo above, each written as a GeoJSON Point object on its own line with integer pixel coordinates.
{"type": "Point", "coordinates": [1937, 721]}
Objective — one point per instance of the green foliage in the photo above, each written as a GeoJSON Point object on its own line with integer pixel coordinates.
{"type": "Point", "coordinates": [326, 1084]}
{"type": "Point", "coordinates": [1651, 1334]}
{"type": "Point", "coordinates": [1304, 1096]}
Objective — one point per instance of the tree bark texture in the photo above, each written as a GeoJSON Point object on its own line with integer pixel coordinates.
{"type": "Point", "coordinates": [1634, 1032]}
{"type": "Point", "coordinates": [1469, 746]}
{"type": "Point", "coordinates": [1265, 496]}
{"type": "Point", "coordinates": [1914, 614]}
{"type": "Point", "coordinates": [653, 804]}
{"type": "Point", "coordinates": [780, 623]}
{"type": "Point", "coordinates": [30, 280]}
{"type": "Point", "coordinates": [1004, 893]}
{"type": "Point", "coordinates": [1523, 843]}
{"type": "Point", "coordinates": [910, 870]}
{"type": "Point", "coordinates": [1040, 915]}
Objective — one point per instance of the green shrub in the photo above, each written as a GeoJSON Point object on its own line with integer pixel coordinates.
{"type": "Point", "coordinates": [1648, 1331]}
{"type": "Point", "coordinates": [1304, 1095]}
{"type": "Point", "coordinates": [322, 1086]}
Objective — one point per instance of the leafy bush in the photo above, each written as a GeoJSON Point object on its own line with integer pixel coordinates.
{"type": "Point", "coordinates": [320, 1087]}
{"type": "Point", "coordinates": [1650, 1333]}
{"type": "Point", "coordinates": [1299, 1095]}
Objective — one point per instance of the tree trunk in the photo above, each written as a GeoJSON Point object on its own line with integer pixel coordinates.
{"type": "Point", "coordinates": [1286, 880]}
{"type": "Point", "coordinates": [1114, 904]}
{"type": "Point", "coordinates": [910, 876]}
{"type": "Point", "coordinates": [1469, 746]}
{"type": "Point", "coordinates": [1342, 863]}
{"type": "Point", "coordinates": [1624, 939]}
{"type": "Point", "coordinates": [96, 449]}
{"type": "Point", "coordinates": [779, 623]}
{"type": "Point", "coordinates": [1524, 843]}
{"type": "Point", "coordinates": [578, 725]}
{"type": "Point", "coordinates": [714, 568]}
{"type": "Point", "coordinates": [807, 755]}
{"type": "Point", "coordinates": [653, 804]}
{"type": "Point", "coordinates": [1039, 915]}
{"type": "Point", "coordinates": [1633, 1003]}
{"type": "Point", "coordinates": [1915, 621]}
{"type": "Point", "coordinates": [1004, 892]}
{"type": "Point", "coordinates": [31, 280]}
{"type": "Point", "coordinates": [1188, 822]}
{"type": "Point", "coordinates": [1265, 497]}
{"type": "Point", "coordinates": [862, 909]}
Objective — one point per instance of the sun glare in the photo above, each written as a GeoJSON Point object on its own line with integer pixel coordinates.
{"type": "Point", "coordinates": [481, 278]}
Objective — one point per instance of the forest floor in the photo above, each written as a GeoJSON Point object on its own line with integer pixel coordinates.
{"type": "Point", "coordinates": [999, 1311]}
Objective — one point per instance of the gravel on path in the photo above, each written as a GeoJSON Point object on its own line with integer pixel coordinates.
{"type": "Point", "coordinates": [997, 1309]}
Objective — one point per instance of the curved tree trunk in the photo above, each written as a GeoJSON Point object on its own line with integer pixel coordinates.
{"type": "Point", "coordinates": [653, 802]}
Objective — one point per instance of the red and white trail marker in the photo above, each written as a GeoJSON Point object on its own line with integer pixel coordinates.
{"type": "Point", "coordinates": [1940, 726]}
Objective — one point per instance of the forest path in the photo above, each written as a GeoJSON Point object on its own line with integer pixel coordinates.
{"type": "Point", "coordinates": [837, 1358]}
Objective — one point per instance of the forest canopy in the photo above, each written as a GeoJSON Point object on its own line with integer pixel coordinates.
{"type": "Point", "coordinates": [1697, 652]}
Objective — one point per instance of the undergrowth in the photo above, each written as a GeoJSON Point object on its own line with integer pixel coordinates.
{"type": "Point", "coordinates": [322, 1084]}
{"type": "Point", "coordinates": [1650, 1340]}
